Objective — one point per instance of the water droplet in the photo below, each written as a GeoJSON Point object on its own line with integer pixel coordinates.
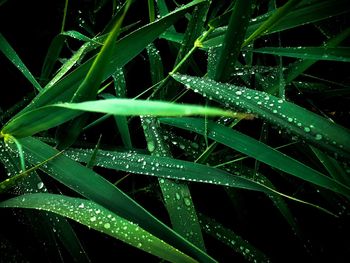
{"type": "Point", "coordinates": [150, 146]}
{"type": "Point", "coordinates": [187, 201]}
{"type": "Point", "coordinates": [40, 185]}
{"type": "Point", "coordinates": [318, 137]}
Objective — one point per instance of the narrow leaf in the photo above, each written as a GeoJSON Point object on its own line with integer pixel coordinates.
{"type": "Point", "coordinates": [91, 185]}
{"type": "Point", "coordinates": [101, 219]}
{"type": "Point", "coordinates": [233, 39]}
{"type": "Point", "coordinates": [294, 119]}
{"type": "Point", "coordinates": [317, 53]}
{"type": "Point", "coordinates": [12, 56]}
{"type": "Point", "coordinates": [259, 151]}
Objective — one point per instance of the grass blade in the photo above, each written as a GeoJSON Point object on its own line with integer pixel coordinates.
{"type": "Point", "coordinates": [101, 219]}
{"type": "Point", "coordinates": [341, 54]}
{"type": "Point", "coordinates": [94, 187]}
{"type": "Point", "coordinates": [30, 182]}
{"type": "Point", "coordinates": [301, 15]}
{"type": "Point", "coordinates": [272, 20]}
{"type": "Point", "coordinates": [332, 166]}
{"type": "Point", "coordinates": [231, 239]}
{"type": "Point", "coordinates": [87, 90]}
{"type": "Point", "coordinates": [233, 40]}
{"type": "Point", "coordinates": [260, 152]}
{"type": "Point", "coordinates": [305, 124]}
{"type": "Point", "coordinates": [122, 125]}
{"type": "Point", "coordinates": [56, 47]}
{"type": "Point", "coordinates": [12, 56]}
{"type": "Point", "coordinates": [168, 168]}
{"type": "Point", "coordinates": [177, 195]}
{"type": "Point", "coordinates": [131, 45]}
{"type": "Point", "coordinates": [47, 117]}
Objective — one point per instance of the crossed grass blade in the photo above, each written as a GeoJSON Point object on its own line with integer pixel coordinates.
{"type": "Point", "coordinates": [94, 187]}
{"type": "Point", "coordinates": [176, 195]}
{"type": "Point", "coordinates": [55, 226]}
{"type": "Point", "coordinates": [132, 45]}
{"type": "Point", "coordinates": [170, 168]}
{"type": "Point", "coordinates": [299, 16]}
{"type": "Point", "coordinates": [261, 152]}
{"type": "Point", "coordinates": [233, 40]}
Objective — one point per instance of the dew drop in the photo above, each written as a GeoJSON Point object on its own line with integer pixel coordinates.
{"type": "Point", "coordinates": [187, 201]}
{"type": "Point", "coordinates": [318, 137]}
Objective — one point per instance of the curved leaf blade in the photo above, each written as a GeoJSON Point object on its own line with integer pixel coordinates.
{"type": "Point", "coordinates": [97, 217]}
{"type": "Point", "coordinates": [294, 119]}
{"type": "Point", "coordinates": [94, 187]}
{"type": "Point", "coordinates": [260, 152]}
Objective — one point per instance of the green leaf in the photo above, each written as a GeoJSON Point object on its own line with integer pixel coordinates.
{"type": "Point", "coordinates": [176, 195]}
{"type": "Point", "coordinates": [97, 217]}
{"type": "Point", "coordinates": [317, 53]}
{"type": "Point", "coordinates": [155, 63]}
{"type": "Point", "coordinates": [297, 68]}
{"type": "Point", "coordinates": [260, 152]}
{"type": "Point", "coordinates": [12, 56]}
{"type": "Point", "coordinates": [233, 39]}
{"type": "Point", "coordinates": [129, 107]}
{"type": "Point", "coordinates": [94, 187]}
{"type": "Point", "coordinates": [53, 225]}
{"type": "Point", "coordinates": [169, 168]}
{"type": "Point", "coordinates": [47, 117]}
{"type": "Point", "coordinates": [294, 119]}
{"type": "Point", "coordinates": [87, 90]}
{"type": "Point", "coordinates": [122, 125]}
{"type": "Point", "coordinates": [131, 45]}
{"type": "Point", "coordinates": [332, 166]}
{"type": "Point", "coordinates": [272, 20]}
{"type": "Point", "coordinates": [301, 15]}
{"type": "Point", "coordinates": [77, 56]}
{"type": "Point", "coordinates": [231, 239]}
{"type": "Point", "coordinates": [89, 87]}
